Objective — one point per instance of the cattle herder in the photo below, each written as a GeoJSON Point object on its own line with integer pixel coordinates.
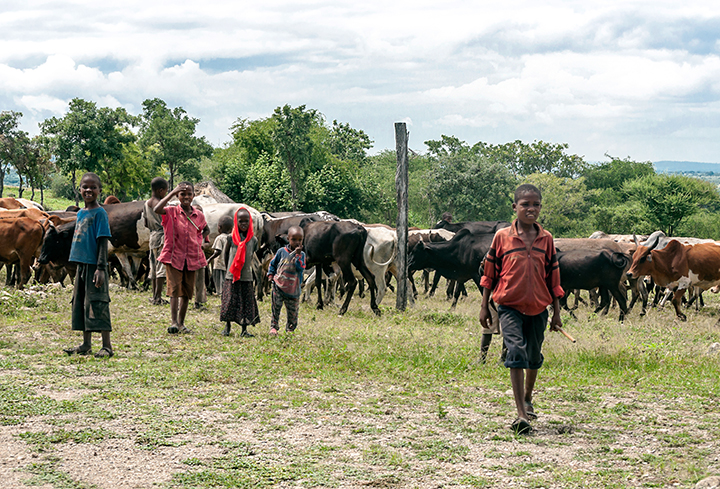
{"type": "Point", "coordinates": [523, 275]}
{"type": "Point", "coordinates": [91, 297]}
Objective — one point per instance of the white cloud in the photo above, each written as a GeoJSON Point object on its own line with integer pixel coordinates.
{"type": "Point", "coordinates": [595, 74]}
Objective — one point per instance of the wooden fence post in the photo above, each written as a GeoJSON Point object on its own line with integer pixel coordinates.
{"type": "Point", "coordinates": [401, 186]}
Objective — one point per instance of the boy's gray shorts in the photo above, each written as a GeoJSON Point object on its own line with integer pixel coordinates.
{"type": "Point", "coordinates": [524, 336]}
{"type": "Point", "coordinates": [90, 305]}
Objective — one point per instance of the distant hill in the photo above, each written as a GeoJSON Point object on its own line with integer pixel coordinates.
{"type": "Point", "coordinates": [11, 178]}
{"type": "Point", "coordinates": [686, 167]}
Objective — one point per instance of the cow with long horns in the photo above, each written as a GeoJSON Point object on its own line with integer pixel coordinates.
{"type": "Point", "coordinates": [678, 266]}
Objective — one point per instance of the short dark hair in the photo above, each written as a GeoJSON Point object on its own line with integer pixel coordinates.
{"type": "Point", "coordinates": [225, 222]}
{"type": "Point", "coordinates": [92, 175]}
{"type": "Point", "coordinates": [159, 183]}
{"type": "Point", "coordinates": [446, 216]}
{"type": "Point", "coordinates": [527, 188]}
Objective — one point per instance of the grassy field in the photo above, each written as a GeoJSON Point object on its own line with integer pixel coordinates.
{"type": "Point", "coordinates": [396, 402]}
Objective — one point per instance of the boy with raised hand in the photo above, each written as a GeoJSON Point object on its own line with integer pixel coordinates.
{"type": "Point", "coordinates": [523, 275]}
{"type": "Point", "coordinates": [91, 298]}
{"type": "Point", "coordinates": [185, 229]}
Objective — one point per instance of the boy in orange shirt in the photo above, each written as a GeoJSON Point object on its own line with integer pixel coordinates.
{"type": "Point", "coordinates": [523, 276]}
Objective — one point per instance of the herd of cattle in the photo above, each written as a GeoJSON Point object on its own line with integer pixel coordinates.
{"type": "Point", "coordinates": [347, 252]}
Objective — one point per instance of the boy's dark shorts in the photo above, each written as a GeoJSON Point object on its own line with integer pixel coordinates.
{"type": "Point", "coordinates": [90, 304]}
{"type": "Point", "coordinates": [524, 336]}
{"type": "Point", "coordinates": [180, 283]}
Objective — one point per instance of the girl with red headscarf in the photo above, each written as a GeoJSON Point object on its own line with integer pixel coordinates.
{"type": "Point", "coordinates": [238, 296]}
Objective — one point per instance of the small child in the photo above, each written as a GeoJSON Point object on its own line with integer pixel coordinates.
{"type": "Point", "coordinates": [225, 226]}
{"type": "Point", "coordinates": [523, 275]}
{"type": "Point", "coordinates": [91, 299]}
{"type": "Point", "coordinates": [238, 295]}
{"type": "Point", "coordinates": [153, 221]}
{"type": "Point", "coordinates": [293, 252]}
{"type": "Point", "coordinates": [185, 229]}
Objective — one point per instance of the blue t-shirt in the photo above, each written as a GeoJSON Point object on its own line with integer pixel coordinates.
{"type": "Point", "coordinates": [91, 225]}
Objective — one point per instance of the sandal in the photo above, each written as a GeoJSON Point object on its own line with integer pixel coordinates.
{"type": "Point", "coordinates": [246, 334]}
{"type": "Point", "coordinates": [521, 427]}
{"type": "Point", "coordinates": [273, 332]}
{"type": "Point", "coordinates": [104, 352]}
{"type": "Point", "coordinates": [185, 330]}
{"type": "Point", "coordinates": [77, 351]}
{"type": "Point", "coordinates": [173, 330]}
{"type": "Point", "coordinates": [530, 410]}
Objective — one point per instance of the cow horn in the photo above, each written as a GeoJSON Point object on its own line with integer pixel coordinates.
{"type": "Point", "coordinates": [636, 240]}
{"type": "Point", "coordinates": [653, 243]}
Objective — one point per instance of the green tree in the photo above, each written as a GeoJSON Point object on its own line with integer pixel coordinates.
{"type": "Point", "coordinates": [668, 200]}
{"type": "Point", "coordinates": [10, 143]}
{"type": "Point", "coordinates": [348, 144]}
{"type": "Point", "coordinates": [88, 138]}
{"type": "Point", "coordinates": [539, 157]}
{"type": "Point", "coordinates": [333, 189]}
{"type": "Point", "coordinates": [471, 187]}
{"type": "Point", "coordinates": [171, 135]}
{"type": "Point", "coordinates": [267, 185]}
{"type": "Point", "coordinates": [131, 178]}
{"type": "Point", "coordinates": [294, 146]}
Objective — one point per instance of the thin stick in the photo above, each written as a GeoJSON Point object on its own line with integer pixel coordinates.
{"type": "Point", "coordinates": [566, 335]}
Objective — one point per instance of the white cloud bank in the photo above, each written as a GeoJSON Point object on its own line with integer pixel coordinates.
{"type": "Point", "coordinates": [639, 79]}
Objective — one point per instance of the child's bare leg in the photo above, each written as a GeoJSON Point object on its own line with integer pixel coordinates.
{"type": "Point", "coordinates": [174, 306]}
{"type": "Point", "coordinates": [182, 311]}
{"type": "Point", "coordinates": [530, 378]}
{"type": "Point", "coordinates": [158, 285]}
{"type": "Point", "coordinates": [517, 379]}
{"type": "Point", "coordinates": [106, 340]}
{"type": "Point", "coordinates": [87, 341]}
{"type": "Point", "coordinates": [226, 331]}
{"type": "Point", "coordinates": [485, 346]}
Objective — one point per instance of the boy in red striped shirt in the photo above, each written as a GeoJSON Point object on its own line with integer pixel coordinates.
{"type": "Point", "coordinates": [523, 276]}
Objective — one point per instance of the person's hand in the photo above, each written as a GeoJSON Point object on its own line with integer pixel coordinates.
{"type": "Point", "coordinates": [555, 322]}
{"type": "Point", "coordinates": [485, 317]}
{"type": "Point", "coordinates": [99, 278]}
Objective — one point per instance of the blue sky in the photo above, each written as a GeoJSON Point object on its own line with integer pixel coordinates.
{"type": "Point", "coordinates": [626, 78]}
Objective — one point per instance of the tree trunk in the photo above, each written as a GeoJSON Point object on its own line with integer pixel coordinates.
{"type": "Point", "coordinates": [20, 188]}
{"type": "Point", "coordinates": [2, 181]}
{"type": "Point", "coordinates": [75, 189]}
{"type": "Point", "coordinates": [42, 197]}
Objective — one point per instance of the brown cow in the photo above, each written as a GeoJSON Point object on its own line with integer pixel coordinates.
{"type": "Point", "coordinates": [21, 238]}
{"type": "Point", "coordinates": [678, 266]}
{"type": "Point", "coordinates": [10, 203]}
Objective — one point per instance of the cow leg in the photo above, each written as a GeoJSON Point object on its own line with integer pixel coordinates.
{"type": "Point", "coordinates": [620, 295]}
{"type": "Point", "coordinates": [350, 283]}
{"type": "Point", "coordinates": [127, 270]}
{"type": "Point", "coordinates": [318, 273]}
{"type": "Point", "coordinates": [604, 301]}
{"type": "Point", "coordinates": [449, 292]}
{"type": "Point", "coordinates": [456, 296]}
{"type": "Point", "coordinates": [426, 280]}
{"type": "Point", "coordinates": [677, 299]}
{"type": "Point", "coordinates": [411, 279]}
{"type": "Point", "coordinates": [373, 289]}
{"type": "Point", "coordinates": [436, 280]}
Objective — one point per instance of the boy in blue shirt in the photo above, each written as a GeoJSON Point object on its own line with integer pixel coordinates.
{"type": "Point", "coordinates": [91, 299]}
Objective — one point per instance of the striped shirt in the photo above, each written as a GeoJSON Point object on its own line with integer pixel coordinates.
{"type": "Point", "coordinates": [525, 281]}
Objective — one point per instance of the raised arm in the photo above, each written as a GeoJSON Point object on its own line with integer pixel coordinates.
{"type": "Point", "coordinates": [160, 206]}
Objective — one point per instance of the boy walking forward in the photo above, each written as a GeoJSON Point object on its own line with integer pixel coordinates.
{"type": "Point", "coordinates": [91, 299]}
{"type": "Point", "coordinates": [522, 273]}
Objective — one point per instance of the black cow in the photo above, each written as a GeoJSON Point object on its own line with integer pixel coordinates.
{"type": "Point", "coordinates": [589, 269]}
{"type": "Point", "coordinates": [458, 259]}
{"type": "Point", "coordinates": [475, 227]}
{"type": "Point", "coordinates": [125, 220]}
{"type": "Point", "coordinates": [341, 242]}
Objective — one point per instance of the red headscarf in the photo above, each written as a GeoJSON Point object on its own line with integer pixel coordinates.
{"type": "Point", "coordinates": [239, 261]}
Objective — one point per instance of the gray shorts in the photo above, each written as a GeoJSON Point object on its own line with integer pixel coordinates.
{"type": "Point", "coordinates": [524, 336]}
{"type": "Point", "coordinates": [90, 304]}
{"type": "Point", "coordinates": [157, 268]}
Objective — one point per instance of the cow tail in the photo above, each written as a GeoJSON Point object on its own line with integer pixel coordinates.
{"type": "Point", "coordinates": [392, 256]}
